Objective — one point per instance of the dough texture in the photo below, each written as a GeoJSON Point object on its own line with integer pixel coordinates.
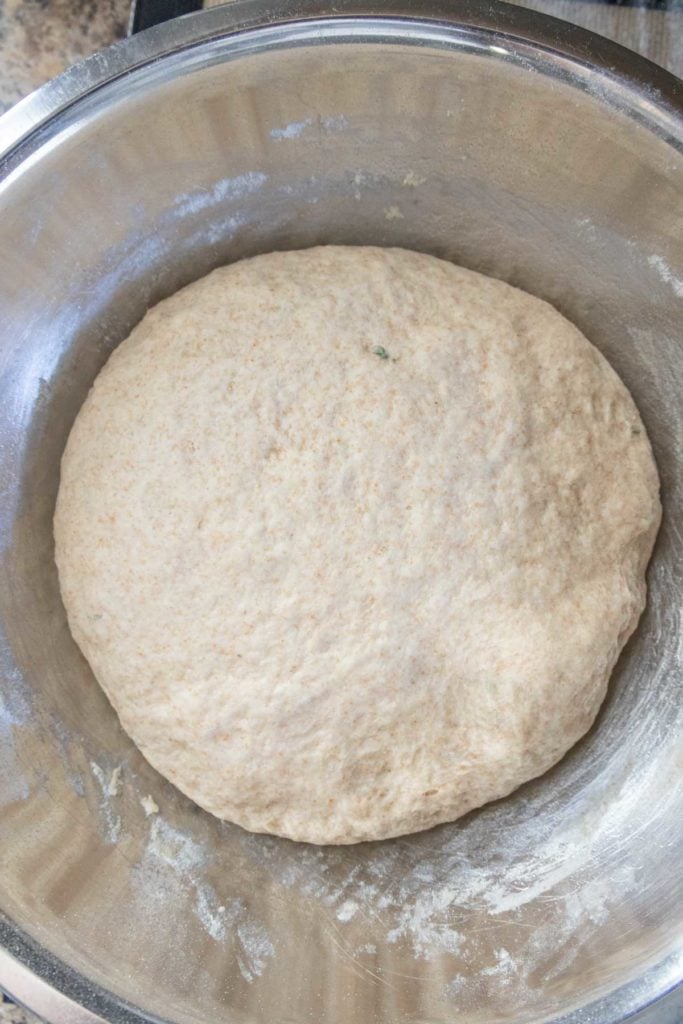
{"type": "Point", "coordinates": [352, 539]}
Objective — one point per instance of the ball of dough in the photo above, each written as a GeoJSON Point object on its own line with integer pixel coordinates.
{"type": "Point", "coordinates": [352, 539]}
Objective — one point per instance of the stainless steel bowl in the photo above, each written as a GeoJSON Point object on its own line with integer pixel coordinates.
{"type": "Point", "coordinates": [513, 144]}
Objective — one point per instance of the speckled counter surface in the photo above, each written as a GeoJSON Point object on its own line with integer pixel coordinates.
{"type": "Point", "coordinates": [39, 38]}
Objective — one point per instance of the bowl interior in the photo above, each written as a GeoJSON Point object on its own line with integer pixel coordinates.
{"type": "Point", "coordinates": [470, 145]}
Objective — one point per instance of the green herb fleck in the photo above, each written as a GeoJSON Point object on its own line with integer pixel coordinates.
{"type": "Point", "coordinates": [380, 351]}
{"type": "Point", "coordinates": [635, 430]}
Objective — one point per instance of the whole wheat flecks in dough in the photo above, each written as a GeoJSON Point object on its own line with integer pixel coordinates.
{"type": "Point", "coordinates": [352, 538]}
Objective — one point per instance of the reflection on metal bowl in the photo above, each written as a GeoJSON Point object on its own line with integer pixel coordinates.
{"type": "Point", "coordinates": [510, 143]}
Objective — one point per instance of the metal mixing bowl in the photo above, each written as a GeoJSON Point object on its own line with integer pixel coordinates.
{"type": "Point", "coordinates": [508, 142]}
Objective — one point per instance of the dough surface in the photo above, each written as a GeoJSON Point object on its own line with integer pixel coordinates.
{"type": "Point", "coordinates": [352, 539]}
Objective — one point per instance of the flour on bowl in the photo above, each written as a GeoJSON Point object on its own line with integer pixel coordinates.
{"type": "Point", "coordinates": [108, 784]}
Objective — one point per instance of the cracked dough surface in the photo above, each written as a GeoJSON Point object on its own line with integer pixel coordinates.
{"type": "Point", "coordinates": [352, 539]}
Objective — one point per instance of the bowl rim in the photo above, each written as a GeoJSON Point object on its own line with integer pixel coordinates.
{"type": "Point", "coordinates": [29, 972]}
{"type": "Point", "coordinates": [660, 91]}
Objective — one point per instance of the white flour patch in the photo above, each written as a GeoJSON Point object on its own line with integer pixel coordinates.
{"type": "Point", "coordinates": [335, 124]}
{"type": "Point", "coordinates": [14, 786]}
{"type": "Point", "coordinates": [666, 274]}
{"type": "Point", "coordinates": [14, 712]}
{"type": "Point", "coordinates": [111, 820]}
{"type": "Point", "coordinates": [393, 213]}
{"type": "Point", "coordinates": [503, 965]}
{"type": "Point", "coordinates": [256, 949]}
{"type": "Point", "coordinates": [347, 910]}
{"type": "Point", "coordinates": [173, 868]}
{"type": "Point", "coordinates": [176, 850]}
{"type": "Point", "coordinates": [211, 913]}
{"type": "Point", "coordinates": [291, 131]}
{"type": "Point", "coordinates": [149, 805]}
{"type": "Point", "coordinates": [71, 765]}
{"type": "Point", "coordinates": [144, 249]}
{"type": "Point", "coordinates": [295, 129]}
{"type": "Point", "coordinates": [364, 180]}
{"type": "Point", "coordinates": [456, 985]}
{"type": "Point", "coordinates": [585, 228]}
{"type": "Point", "coordinates": [14, 704]}
{"type": "Point", "coordinates": [226, 189]}
{"type": "Point", "coordinates": [114, 784]}
{"type": "Point", "coordinates": [413, 180]}
{"type": "Point", "coordinates": [128, 260]}
{"type": "Point", "coordinates": [219, 229]}
{"type": "Point", "coordinates": [420, 922]}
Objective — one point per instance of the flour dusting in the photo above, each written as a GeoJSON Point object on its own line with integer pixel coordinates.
{"type": "Point", "coordinates": [14, 712]}
{"type": "Point", "coordinates": [173, 867]}
{"type": "Point", "coordinates": [420, 923]}
{"type": "Point", "coordinates": [174, 848]}
{"type": "Point", "coordinates": [291, 131]}
{"type": "Point", "coordinates": [336, 123]}
{"type": "Point", "coordinates": [666, 274]}
{"type": "Point", "coordinates": [226, 189]}
{"type": "Point", "coordinates": [211, 913]}
{"type": "Point", "coordinates": [520, 869]}
{"type": "Point", "coordinates": [295, 129]}
{"type": "Point", "coordinates": [347, 910]}
{"type": "Point", "coordinates": [256, 949]}
{"type": "Point", "coordinates": [114, 784]}
{"type": "Point", "coordinates": [149, 805]}
{"type": "Point", "coordinates": [111, 820]}
{"type": "Point", "coordinates": [14, 786]}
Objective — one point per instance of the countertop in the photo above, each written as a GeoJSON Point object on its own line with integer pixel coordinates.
{"type": "Point", "coordinates": [39, 38]}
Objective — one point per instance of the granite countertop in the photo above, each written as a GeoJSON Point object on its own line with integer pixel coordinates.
{"type": "Point", "coordinates": [39, 38]}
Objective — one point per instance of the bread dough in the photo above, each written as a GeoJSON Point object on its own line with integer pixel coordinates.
{"type": "Point", "coordinates": [352, 538]}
